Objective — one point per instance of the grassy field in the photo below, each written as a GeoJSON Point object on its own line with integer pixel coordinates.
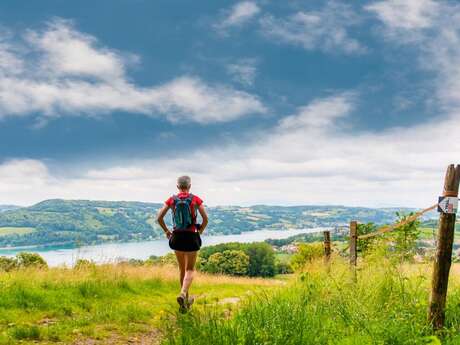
{"type": "Point", "coordinates": [125, 304]}
{"type": "Point", "coordinates": [283, 257]}
{"type": "Point", "coordinates": [386, 305]}
{"type": "Point", "coordinates": [103, 304]}
{"type": "Point", "coordinates": [15, 230]}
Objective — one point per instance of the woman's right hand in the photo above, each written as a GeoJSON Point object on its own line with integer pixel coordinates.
{"type": "Point", "coordinates": [168, 234]}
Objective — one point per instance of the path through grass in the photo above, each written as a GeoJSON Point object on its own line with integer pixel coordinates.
{"type": "Point", "coordinates": [107, 303]}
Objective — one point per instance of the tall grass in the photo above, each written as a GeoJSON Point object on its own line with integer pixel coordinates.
{"type": "Point", "coordinates": [39, 305]}
{"type": "Point", "coordinates": [387, 304]}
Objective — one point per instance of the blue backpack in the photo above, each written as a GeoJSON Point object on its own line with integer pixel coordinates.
{"type": "Point", "coordinates": [183, 218]}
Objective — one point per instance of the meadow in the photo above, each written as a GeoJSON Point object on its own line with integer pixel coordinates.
{"type": "Point", "coordinates": [384, 300]}
{"type": "Point", "coordinates": [109, 304]}
{"type": "Point", "coordinates": [386, 304]}
{"type": "Point", "coordinates": [6, 231]}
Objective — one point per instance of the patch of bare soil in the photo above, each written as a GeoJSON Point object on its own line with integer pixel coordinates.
{"type": "Point", "coordinates": [149, 338]}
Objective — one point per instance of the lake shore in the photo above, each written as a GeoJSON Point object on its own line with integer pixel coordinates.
{"type": "Point", "coordinates": [114, 252]}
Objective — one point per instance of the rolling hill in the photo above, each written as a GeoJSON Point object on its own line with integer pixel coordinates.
{"type": "Point", "coordinates": [4, 208]}
{"type": "Point", "coordinates": [81, 222]}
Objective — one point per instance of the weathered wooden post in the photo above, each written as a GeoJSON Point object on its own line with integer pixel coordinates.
{"type": "Point", "coordinates": [327, 246]}
{"type": "Point", "coordinates": [443, 258]}
{"type": "Point", "coordinates": [353, 242]}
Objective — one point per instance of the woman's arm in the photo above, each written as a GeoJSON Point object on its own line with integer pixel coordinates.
{"type": "Point", "coordinates": [161, 221]}
{"type": "Point", "coordinates": [204, 215]}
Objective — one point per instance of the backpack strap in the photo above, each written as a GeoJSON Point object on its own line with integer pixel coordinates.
{"type": "Point", "coordinates": [192, 210]}
{"type": "Point", "coordinates": [175, 198]}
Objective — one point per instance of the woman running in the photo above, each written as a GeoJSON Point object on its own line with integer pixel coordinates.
{"type": "Point", "coordinates": [185, 238]}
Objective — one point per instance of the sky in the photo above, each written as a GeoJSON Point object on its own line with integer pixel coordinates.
{"type": "Point", "coordinates": [260, 102]}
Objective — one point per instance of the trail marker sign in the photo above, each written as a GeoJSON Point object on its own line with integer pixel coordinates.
{"type": "Point", "coordinates": [448, 204]}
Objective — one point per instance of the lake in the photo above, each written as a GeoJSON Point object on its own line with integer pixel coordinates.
{"type": "Point", "coordinates": [111, 252]}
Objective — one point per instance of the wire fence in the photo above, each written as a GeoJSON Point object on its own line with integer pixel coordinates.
{"type": "Point", "coordinates": [407, 220]}
{"type": "Point", "coordinates": [447, 204]}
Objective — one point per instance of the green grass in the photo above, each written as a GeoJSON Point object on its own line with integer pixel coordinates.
{"type": "Point", "coordinates": [386, 305]}
{"type": "Point", "coordinates": [283, 257]}
{"type": "Point", "coordinates": [4, 231]}
{"type": "Point", "coordinates": [61, 305]}
{"type": "Point", "coordinates": [427, 233]}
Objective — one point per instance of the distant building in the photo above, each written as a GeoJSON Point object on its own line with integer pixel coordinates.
{"type": "Point", "coordinates": [290, 248]}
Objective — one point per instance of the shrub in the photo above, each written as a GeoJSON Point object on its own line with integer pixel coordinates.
{"type": "Point", "coordinates": [405, 237]}
{"type": "Point", "coordinates": [30, 260]}
{"type": "Point", "coordinates": [135, 262]}
{"type": "Point", "coordinates": [8, 264]}
{"type": "Point", "coordinates": [168, 259]}
{"type": "Point", "coordinates": [283, 268]}
{"type": "Point", "coordinates": [23, 332]}
{"type": "Point", "coordinates": [397, 245]}
{"type": "Point", "coordinates": [365, 245]}
{"type": "Point", "coordinates": [306, 253]}
{"type": "Point", "coordinates": [233, 262]}
{"type": "Point", "coordinates": [83, 264]}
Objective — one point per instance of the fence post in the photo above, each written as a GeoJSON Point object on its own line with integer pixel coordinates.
{"type": "Point", "coordinates": [327, 246]}
{"type": "Point", "coordinates": [443, 258]}
{"type": "Point", "coordinates": [353, 242]}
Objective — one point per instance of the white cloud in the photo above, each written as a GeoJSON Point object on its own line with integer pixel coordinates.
{"type": "Point", "coordinates": [312, 156]}
{"type": "Point", "coordinates": [239, 14]}
{"type": "Point", "coordinates": [406, 14]}
{"type": "Point", "coordinates": [319, 114]}
{"type": "Point", "coordinates": [69, 74]}
{"type": "Point", "coordinates": [67, 52]}
{"type": "Point", "coordinates": [317, 161]}
{"type": "Point", "coordinates": [206, 103]}
{"type": "Point", "coordinates": [243, 71]}
{"type": "Point", "coordinates": [433, 30]}
{"type": "Point", "coordinates": [326, 30]}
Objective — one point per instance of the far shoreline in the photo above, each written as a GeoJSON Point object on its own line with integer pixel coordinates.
{"type": "Point", "coordinates": [72, 245]}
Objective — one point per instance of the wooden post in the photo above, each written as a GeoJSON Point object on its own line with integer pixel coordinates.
{"type": "Point", "coordinates": [443, 258]}
{"type": "Point", "coordinates": [327, 246]}
{"type": "Point", "coordinates": [353, 242]}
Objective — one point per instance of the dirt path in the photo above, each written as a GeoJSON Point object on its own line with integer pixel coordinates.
{"type": "Point", "coordinates": [152, 337]}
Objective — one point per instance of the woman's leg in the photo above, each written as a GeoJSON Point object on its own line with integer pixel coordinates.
{"type": "Point", "coordinates": [190, 260]}
{"type": "Point", "coordinates": [180, 256]}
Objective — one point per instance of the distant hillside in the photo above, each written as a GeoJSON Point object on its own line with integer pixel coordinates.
{"type": "Point", "coordinates": [4, 208]}
{"type": "Point", "coordinates": [87, 222]}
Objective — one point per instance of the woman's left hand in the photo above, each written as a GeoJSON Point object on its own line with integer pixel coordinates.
{"type": "Point", "coordinates": [168, 234]}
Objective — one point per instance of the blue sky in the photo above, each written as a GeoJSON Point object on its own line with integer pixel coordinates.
{"type": "Point", "coordinates": [300, 102]}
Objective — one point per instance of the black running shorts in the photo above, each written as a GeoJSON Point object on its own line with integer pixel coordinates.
{"type": "Point", "coordinates": [185, 241]}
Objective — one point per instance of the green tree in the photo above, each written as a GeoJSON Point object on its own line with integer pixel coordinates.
{"type": "Point", "coordinates": [261, 260]}
{"type": "Point", "coordinates": [261, 256]}
{"type": "Point", "coordinates": [233, 262]}
{"type": "Point", "coordinates": [405, 237]}
{"type": "Point", "coordinates": [364, 245]}
{"type": "Point", "coordinates": [206, 252]}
